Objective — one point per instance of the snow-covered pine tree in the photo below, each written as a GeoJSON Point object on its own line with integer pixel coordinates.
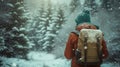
{"type": "Point", "coordinates": [114, 45]}
{"type": "Point", "coordinates": [74, 4]}
{"type": "Point", "coordinates": [44, 26]}
{"type": "Point", "coordinates": [91, 4]}
{"type": "Point", "coordinates": [4, 21]}
{"type": "Point", "coordinates": [49, 36]}
{"type": "Point", "coordinates": [15, 41]}
{"type": "Point", "coordinates": [113, 6]}
{"type": "Point", "coordinates": [107, 4]}
{"type": "Point", "coordinates": [29, 22]}
{"type": "Point", "coordinates": [61, 18]}
{"type": "Point", "coordinates": [40, 28]}
{"type": "Point", "coordinates": [5, 5]}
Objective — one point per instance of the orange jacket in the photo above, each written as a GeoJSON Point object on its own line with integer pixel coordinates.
{"type": "Point", "coordinates": [71, 46]}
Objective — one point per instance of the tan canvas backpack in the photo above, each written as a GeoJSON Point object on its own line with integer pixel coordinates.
{"type": "Point", "coordinates": [90, 46]}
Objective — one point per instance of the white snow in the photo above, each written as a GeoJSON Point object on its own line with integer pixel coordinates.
{"type": "Point", "coordinates": [11, 5]}
{"type": "Point", "coordinates": [36, 59]}
{"type": "Point", "coordinates": [18, 3]}
{"type": "Point", "coordinates": [15, 28]}
{"type": "Point", "coordinates": [42, 59]}
{"type": "Point", "coordinates": [21, 8]}
{"type": "Point", "coordinates": [22, 29]}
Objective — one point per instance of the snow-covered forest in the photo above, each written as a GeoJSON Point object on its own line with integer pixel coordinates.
{"type": "Point", "coordinates": [34, 33]}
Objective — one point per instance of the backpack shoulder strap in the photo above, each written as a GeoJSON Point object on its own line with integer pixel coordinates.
{"type": "Point", "coordinates": [76, 32]}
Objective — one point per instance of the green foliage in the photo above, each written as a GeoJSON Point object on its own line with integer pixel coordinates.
{"type": "Point", "coordinates": [61, 18]}
{"type": "Point", "coordinates": [13, 37]}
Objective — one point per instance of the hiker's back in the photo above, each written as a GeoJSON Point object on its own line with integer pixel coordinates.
{"type": "Point", "coordinates": [87, 47]}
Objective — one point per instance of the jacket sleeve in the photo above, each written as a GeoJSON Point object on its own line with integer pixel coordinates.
{"type": "Point", "coordinates": [69, 53]}
{"type": "Point", "coordinates": [104, 50]}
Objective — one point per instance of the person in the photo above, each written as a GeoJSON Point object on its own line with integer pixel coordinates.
{"type": "Point", "coordinates": [82, 22]}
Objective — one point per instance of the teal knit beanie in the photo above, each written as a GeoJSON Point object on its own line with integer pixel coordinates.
{"type": "Point", "coordinates": [83, 17]}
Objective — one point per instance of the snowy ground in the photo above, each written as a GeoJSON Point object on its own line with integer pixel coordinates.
{"type": "Point", "coordinates": [36, 59]}
{"type": "Point", "coordinates": [41, 59]}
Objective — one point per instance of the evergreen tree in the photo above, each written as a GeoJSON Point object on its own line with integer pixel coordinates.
{"type": "Point", "coordinates": [43, 27]}
{"type": "Point", "coordinates": [50, 23]}
{"type": "Point", "coordinates": [37, 28]}
{"type": "Point", "coordinates": [74, 4]}
{"type": "Point", "coordinates": [61, 18]}
{"type": "Point", "coordinates": [92, 5]}
{"type": "Point", "coordinates": [40, 29]}
{"type": "Point", "coordinates": [56, 19]}
{"type": "Point", "coordinates": [112, 6]}
{"type": "Point", "coordinates": [14, 38]}
{"type": "Point", "coordinates": [107, 4]}
{"type": "Point", "coordinates": [49, 37]}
